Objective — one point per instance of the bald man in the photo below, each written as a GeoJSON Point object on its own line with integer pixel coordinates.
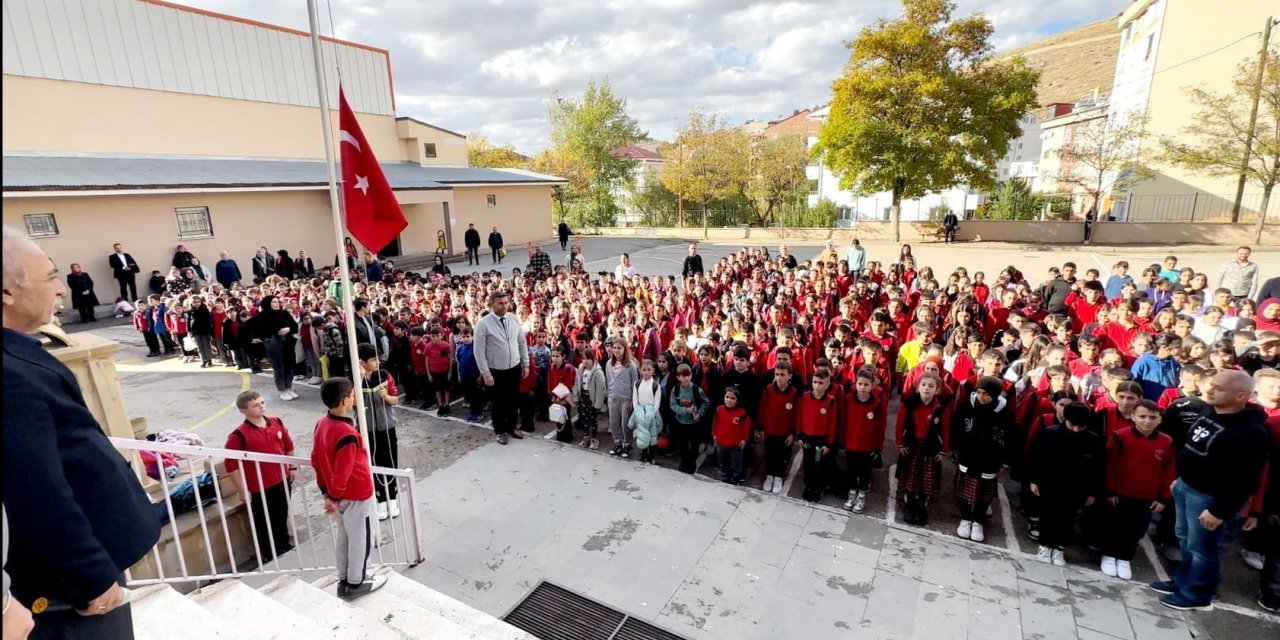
{"type": "Point", "coordinates": [78, 516]}
{"type": "Point", "coordinates": [1219, 467]}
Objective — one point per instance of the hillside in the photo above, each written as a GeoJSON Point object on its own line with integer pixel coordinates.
{"type": "Point", "coordinates": [1073, 63]}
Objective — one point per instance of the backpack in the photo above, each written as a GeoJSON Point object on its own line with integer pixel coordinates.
{"type": "Point", "coordinates": [657, 391]}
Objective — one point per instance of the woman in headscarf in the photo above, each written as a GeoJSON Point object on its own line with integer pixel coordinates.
{"type": "Point", "coordinates": [278, 332]}
{"type": "Point", "coordinates": [83, 298]}
{"type": "Point", "coordinates": [284, 265]}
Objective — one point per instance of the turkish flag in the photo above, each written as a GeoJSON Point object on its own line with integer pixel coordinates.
{"type": "Point", "coordinates": [373, 214]}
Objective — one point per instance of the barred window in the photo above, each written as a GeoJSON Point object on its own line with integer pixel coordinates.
{"type": "Point", "coordinates": [40, 225]}
{"type": "Point", "coordinates": [193, 222]}
{"type": "Point", "coordinates": [492, 199]}
{"type": "Point", "coordinates": [429, 149]}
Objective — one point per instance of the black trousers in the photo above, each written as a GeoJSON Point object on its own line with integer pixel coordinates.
{"type": "Point", "coordinates": [270, 509]}
{"type": "Point", "coordinates": [153, 341]}
{"type": "Point", "coordinates": [86, 314]}
{"type": "Point", "coordinates": [473, 396]}
{"type": "Point", "coordinates": [525, 404]}
{"type": "Point", "coordinates": [473, 255]}
{"type": "Point", "coordinates": [1126, 524]}
{"type": "Point", "coordinates": [128, 287]}
{"type": "Point", "coordinates": [776, 456]}
{"type": "Point", "coordinates": [1058, 519]}
{"type": "Point", "coordinates": [687, 438]}
{"type": "Point", "coordinates": [813, 462]}
{"type": "Point", "coordinates": [951, 234]}
{"type": "Point", "coordinates": [497, 256]}
{"type": "Point", "coordinates": [503, 398]}
{"type": "Point", "coordinates": [69, 625]}
{"type": "Point", "coordinates": [564, 243]}
{"type": "Point", "coordinates": [858, 469]}
{"type": "Point", "coordinates": [386, 453]}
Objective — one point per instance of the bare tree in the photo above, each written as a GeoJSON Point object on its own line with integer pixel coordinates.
{"type": "Point", "coordinates": [1103, 156]}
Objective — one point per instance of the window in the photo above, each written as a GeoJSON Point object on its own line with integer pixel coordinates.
{"type": "Point", "coordinates": [193, 222]}
{"type": "Point", "coordinates": [429, 149]}
{"type": "Point", "coordinates": [492, 199]}
{"type": "Point", "coordinates": [40, 225]}
{"type": "Point", "coordinates": [1151, 41]}
{"type": "Point", "coordinates": [813, 186]}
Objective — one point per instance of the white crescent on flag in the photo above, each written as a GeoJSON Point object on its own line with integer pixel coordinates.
{"type": "Point", "coordinates": [347, 137]}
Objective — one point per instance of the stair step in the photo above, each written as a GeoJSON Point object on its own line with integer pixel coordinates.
{"type": "Point", "coordinates": [159, 613]}
{"type": "Point", "coordinates": [234, 600]}
{"type": "Point", "coordinates": [460, 613]}
{"type": "Point", "coordinates": [328, 611]}
{"type": "Point", "coordinates": [403, 615]}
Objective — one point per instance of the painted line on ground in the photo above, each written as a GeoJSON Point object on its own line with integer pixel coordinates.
{"type": "Point", "coordinates": [1006, 520]}
{"type": "Point", "coordinates": [1102, 268]}
{"type": "Point", "coordinates": [796, 462]}
{"type": "Point", "coordinates": [244, 386]}
{"type": "Point", "coordinates": [1154, 558]}
{"type": "Point", "coordinates": [891, 508]}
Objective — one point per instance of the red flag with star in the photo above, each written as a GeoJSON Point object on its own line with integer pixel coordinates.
{"type": "Point", "coordinates": [373, 213]}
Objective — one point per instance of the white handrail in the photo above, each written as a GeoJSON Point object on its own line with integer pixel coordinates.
{"type": "Point", "coordinates": [402, 548]}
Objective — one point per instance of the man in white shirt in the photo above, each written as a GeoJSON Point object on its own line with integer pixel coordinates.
{"type": "Point", "coordinates": [502, 355]}
{"type": "Point", "coordinates": [856, 256]}
{"type": "Point", "coordinates": [625, 269]}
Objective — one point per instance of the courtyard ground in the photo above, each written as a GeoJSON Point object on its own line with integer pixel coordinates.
{"type": "Point", "coordinates": [708, 560]}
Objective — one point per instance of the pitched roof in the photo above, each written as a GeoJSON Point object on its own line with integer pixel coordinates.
{"type": "Point", "coordinates": [635, 151]}
{"type": "Point", "coordinates": [1074, 62]}
{"type": "Point", "coordinates": [97, 172]}
{"type": "Point", "coordinates": [432, 126]}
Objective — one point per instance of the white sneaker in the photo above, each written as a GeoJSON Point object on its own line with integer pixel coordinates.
{"type": "Point", "coordinates": [777, 484]}
{"type": "Point", "coordinates": [1254, 559]}
{"type": "Point", "coordinates": [1109, 566]}
{"type": "Point", "coordinates": [965, 529]}
{"type": "Point", "coordinates": [848, 504]}
{"type": "Point", "coordinates": [768, 484]}
{"type": "Point", "coordinates": [860, 504]}
{"type": "Point", "coordinates": [975, 532]}
{"type": "Point", "coordinates": [1123, 570]}
{"type": "Point", "coordinates": [284, 395]}
{"type": "Point", "coordinates": [382, 511]}
{"type": "Point", "coordinates": [315, 380]}
{"type": "Point", "coordinates": [393, 508]}
{"type": "Point", "coordinates": [1059, 558]}
{"type": "Point", "coordinates": [1044, 554]}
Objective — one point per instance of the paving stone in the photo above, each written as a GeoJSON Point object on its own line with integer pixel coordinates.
{"type": "Point", "coordinates": [792, 512]}
{"type": "Point", "coordinates": [992, 621]}
{"type": "Point", "coordinates": [776, 541]}
{"type": "Point", "coordinates": [993, 577]}
{"type": "Point", "coordinates": [946, 565]}
{"type": "Point", "coordinates": [1046, 574]}
{"type": "Point", "coordinates": [865, 532]}
{"type": "Point", "coordinates": [1045, 611]}
{"type": "Point", "coordinates": [892, 604]}
{"type": "Point", "coordinates": [805, 574]}
{"type": "Point", "coordinates": [903, 553]}
{"type": "Point", "coordinates": [823, 532]}
{"type": "Point", "coordinates": [941, 614]}
{"type": "Point", "coordinates": [1099, 606]}
{"type": "Point", "coordinates": [1148, 626]}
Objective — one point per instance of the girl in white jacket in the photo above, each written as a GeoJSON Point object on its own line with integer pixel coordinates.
{"type": "Point", "coordinates": [646, 421]}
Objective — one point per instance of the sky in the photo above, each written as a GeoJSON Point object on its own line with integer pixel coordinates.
{"type": "Point", "coordinates": [488, 66]}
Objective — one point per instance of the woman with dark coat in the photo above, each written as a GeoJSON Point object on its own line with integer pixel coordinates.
{"type": "Point", "coordinates": [200, 326]}
{"type": "Point", "coordinates": [440, 268]}
{"type": "Point", "coordinates": [303, 267]}
{"type": "Point", "coordinates": [83, 299]}
{"type": "Point", "coordinates": [278, 331]}
{"type": "Point", "coordinates": [284, 265]}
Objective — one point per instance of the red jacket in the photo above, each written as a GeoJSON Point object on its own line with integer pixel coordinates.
{"type": "Point", "coordinates": [338, 455]}
{"type": "Point", "coordinates": [564, 375]}
{"type": "Point", "coordinates": [1169, 397]}
{"type": "Point", "coordinates": [731, 427]}
{"type": "Point", "coordinates": [864, 423]}
{"type": "Point", "coordinates": [1140, 466]}
{"type": "Point", "coordinates": [1112, 421]}
{"type": "Point", "coordinates": [923, 419]}
{"type": "Point", "coordinates": [816, 417]}
{"type": "Point", "coordinates": [777, 412]}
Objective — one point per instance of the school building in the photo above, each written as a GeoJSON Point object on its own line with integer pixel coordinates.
{"type": "Point", "coordinates": [153, 124]}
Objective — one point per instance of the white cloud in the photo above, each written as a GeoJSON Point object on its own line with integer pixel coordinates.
{"type": "Point", "coordinates": [489, 65]}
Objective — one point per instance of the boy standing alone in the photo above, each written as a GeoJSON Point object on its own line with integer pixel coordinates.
{"type": "Point", "coordinates": [344, 477]}
{"type": "Point", "coordinates": [263, 487]}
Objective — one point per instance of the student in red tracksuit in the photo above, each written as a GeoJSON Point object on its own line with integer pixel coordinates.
{"type": "Point", "coordinates": [861, 436]}
{"type": "Point", "coordinates": [922, 438]}
{"type": "Point", "coordinates": [816, 429]}
{"type": "Point", "coordinates": [776, 421]}
{"type": "Point", "coordinates": [731, 429]}
{"type": "Point", "coordinates": [342, 472]}
{"type": "Point", "coordinates": [1140, 470]}
{"type": "Point", "coordinates": [1114, 418]}
{"type": "Point", "coordinates": [1188, 384]}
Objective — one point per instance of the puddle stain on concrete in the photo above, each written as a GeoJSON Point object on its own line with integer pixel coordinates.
{"type": "Point", "coordinates": [619, 531]}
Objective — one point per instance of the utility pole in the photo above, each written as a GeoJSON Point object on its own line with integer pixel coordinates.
{"type": "Point", "coordinates": [1253, 122]}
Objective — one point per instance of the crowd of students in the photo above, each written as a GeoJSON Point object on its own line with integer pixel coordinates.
{"type": "Point", "coordinates": [1081, 389]}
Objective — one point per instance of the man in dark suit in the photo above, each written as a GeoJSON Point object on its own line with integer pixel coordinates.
{"type": "Point", "coordinates": [79, 517]}
{"type": "Point", "coordinates": [472, 241]}
{"type": "Point", "coordinates": [125, 269]}
{"type": "Point", "coordinates": [949, 223]}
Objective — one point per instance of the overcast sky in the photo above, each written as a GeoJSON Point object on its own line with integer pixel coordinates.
{"type": "Point", "coordinates": [488, 65]}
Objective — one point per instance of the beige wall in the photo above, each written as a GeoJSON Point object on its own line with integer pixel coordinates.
{"type": "Point", "coordinates": [1184, 36]}
{"type": "Point", "coordinates": [146, 226]}
{"type": "Point", "coordinates": [424, 221]}
{"type": "Point", "coordinates": [59, 116]}
{"type": "Point", "coordinates": [451, 150]}
{"type": "Point", "coordinates": [522, 214]}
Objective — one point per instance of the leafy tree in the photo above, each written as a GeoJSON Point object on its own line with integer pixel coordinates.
{"type": "Point", "coordinates": [777, 175]}
{"type": "Point", "coordinates": [584, 132]}
{"type": "Point", "coordinates": [1014, 200]}
{"type": "Point", "coordinates": [1102, 156]}
{"type": "Point", "coordinates": [655, 203]}
{"type": "Point", "coordinates": [482, 153]}
{"type": "Point", "coordinates": [922, 105]}
{"type": "Point", "coordinates": [707, 162]}
{"type": "Point", "coordinates": [1220, 128]}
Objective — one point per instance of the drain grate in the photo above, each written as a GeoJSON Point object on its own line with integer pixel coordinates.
{"type": "Point", "coordinates": [552, 612]}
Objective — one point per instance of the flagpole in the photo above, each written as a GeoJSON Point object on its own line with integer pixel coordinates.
{"type": "Point", "coordinates": [348, 306]}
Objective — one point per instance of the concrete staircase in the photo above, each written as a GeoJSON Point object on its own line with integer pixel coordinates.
{"type": "Point", "coordinates": [289, 607]}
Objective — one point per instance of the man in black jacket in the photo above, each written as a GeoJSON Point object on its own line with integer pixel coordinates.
{"type": "Point", "coordinates": [1056, 291]}
{"type": "Point", "coordinates": [693, 263]}
{"type": "Point", "coordinates": [125, 269]}
{"type": "Point", "coordinates": [79, 515]}
{"type": "Point", "coordinates": [1219, 467]}
{"type": "Point", "coordinates": [471, 239]}
{"type": "Point", "coordinates": [495, 243]}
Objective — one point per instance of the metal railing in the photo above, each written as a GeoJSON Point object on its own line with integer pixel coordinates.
{"type": "Point", "coordinates": [397, 541]}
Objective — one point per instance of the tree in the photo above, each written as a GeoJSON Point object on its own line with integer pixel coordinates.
{"type": "Point", "coordinates": [707, 162]}
{"type": "Point", "coordinates": [584, 133]}
{"type": "Point", "coordinates": [482, 153]}
{"type": "Point", "coordinates": [777, 175]}
{"type": "Point", "coordinates": [1102, 156]}
{"type": "Point", "coordinates": [922, 105]}
{"type": "Point", "coordinates": [1013, 200]}
{"type": "Point", "coordinates": [1220, 128]}
{"type": "Point", "coordinates": [654, 201]}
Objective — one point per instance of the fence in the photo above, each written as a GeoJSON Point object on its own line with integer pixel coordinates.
{"type": "Point", "coordinates": [1197, 207]}
{"type": "Point", "coordinates": [199, 538]}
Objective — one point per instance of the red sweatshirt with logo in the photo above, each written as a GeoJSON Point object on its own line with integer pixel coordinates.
{"type": "Point", "coordinates": [1140, 466]}
{"type": "Point", "coordinates": [731, 426]}
{"type": "Point", "coordinates": [338, 455]}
